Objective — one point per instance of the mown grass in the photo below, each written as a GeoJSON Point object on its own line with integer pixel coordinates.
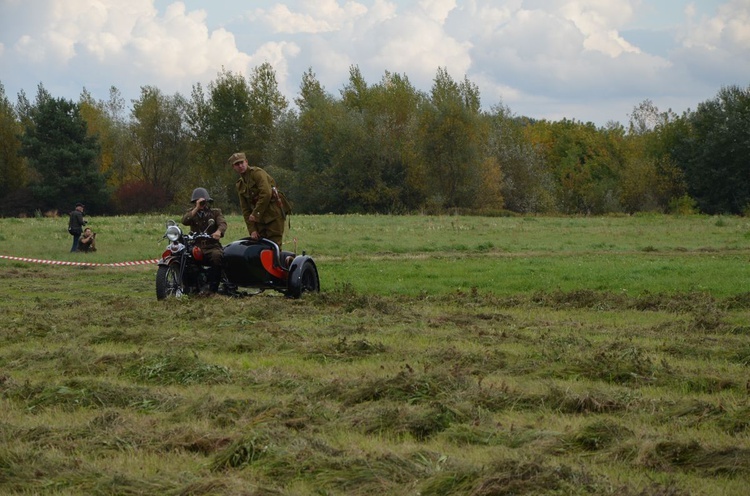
{"type": "Point", "coordinates": [443, 356]}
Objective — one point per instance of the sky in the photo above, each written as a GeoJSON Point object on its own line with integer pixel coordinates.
{"type": "Point", "coordinates": [588, 60]}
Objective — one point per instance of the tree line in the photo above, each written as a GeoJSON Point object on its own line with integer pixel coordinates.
{"type": "Point", "coordinates": [375, 148]}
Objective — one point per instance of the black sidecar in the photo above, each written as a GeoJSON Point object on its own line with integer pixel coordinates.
{"type": "Point", "coordinates": [260, 264]}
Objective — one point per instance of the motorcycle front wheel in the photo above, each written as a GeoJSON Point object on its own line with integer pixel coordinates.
{"type": "Point", "coordinates": [168, 282]}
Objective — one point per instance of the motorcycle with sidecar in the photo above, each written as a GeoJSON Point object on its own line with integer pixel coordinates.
{"type": "Point", "coordinates": [247, 263]}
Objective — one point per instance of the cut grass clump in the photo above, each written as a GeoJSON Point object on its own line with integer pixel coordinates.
{"type": "Point", "coordinates": [736, 421]}
{"type": "Point", "coordinates": [223, 412]}
{"type": "Point", "coordinates": [692, 456]}
{"type": "Point", "coordinates": [396, 421]}
{"type": "Point", "coordinates": [618, 362]}
{"type": "Point", "coordinates": [408, 386]}
{"type": "Point", "coordinates": [482, 435]}
{"type": "Point", "coordinates": [597, 436]}
{"type": "Point", "coordinates": [345, 350]}
{"type": "Point", "coordinates": [179, 367]}
{"type": "Point", "coordinates": [511, 477]}
{"type": "Point", "coordinates": [86, 393]}
{"type": "Point", "coordinates": [242, 452]}
{"type": "Point", "coordinates": [477, 363]}
{"type": "Point", "coordinates": [120, 336]}
{"type": "Point", "coordinates": [583, 298]}
{"type": "Point", "coordinates": [388, 473]}
{"type": "Point", "coordinates": [26, 470]}
{"type": "Point", "coordinates": [591, 401]}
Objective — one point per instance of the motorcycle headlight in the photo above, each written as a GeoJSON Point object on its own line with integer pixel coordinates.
{"type": "Point", "coordinates": [173, 233]}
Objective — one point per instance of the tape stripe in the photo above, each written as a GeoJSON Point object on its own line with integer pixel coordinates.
{"type": "Point", "coordinates": [88, 264]}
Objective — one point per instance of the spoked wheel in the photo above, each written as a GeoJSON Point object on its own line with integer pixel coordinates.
{"type": "Point", "coordinates": [168, 283]}
{"type": "Point", "coordinates": [303, 279]}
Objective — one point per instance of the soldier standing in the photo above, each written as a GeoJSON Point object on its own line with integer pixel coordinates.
{"type": "Point", "coordinates": [264, 207]}
{"type": "Point", "coordinates": [75, 225]}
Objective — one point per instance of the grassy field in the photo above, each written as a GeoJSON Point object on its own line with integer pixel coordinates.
{"type": "Point", "coordinates": [443, 356]}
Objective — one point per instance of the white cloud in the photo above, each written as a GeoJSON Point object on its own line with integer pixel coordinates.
{"type": "Point", "coordinates": [417, 46]}
{"type": "Point", "coordinates": [543, 51]}
{"type": "Point", "coordinates": [715, 47]}
{"type": "Point", "coordinates": [378, 38]}
{"type": "Point", "coordinates": [437, 10]}
{"type": "Point", "coordinates": [728, 29]}
{"type": "Point", "coordinates": [540, 56]}
{"type": "Point", "coordinates": [321, 16]}
{"type": "Point", "coordinates": [175, 49]}
{"type": "Point", "coordinates": [599, 23]}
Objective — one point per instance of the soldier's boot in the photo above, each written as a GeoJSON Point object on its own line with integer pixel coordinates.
{"type": "Point", "coordinates": [214, 278]}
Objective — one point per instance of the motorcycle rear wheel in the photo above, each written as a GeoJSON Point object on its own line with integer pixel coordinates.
{"type": "Point", "coordinates": [168, 283]}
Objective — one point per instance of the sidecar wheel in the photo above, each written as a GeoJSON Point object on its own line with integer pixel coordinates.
{"type": "Point", "coordinates": [303, 279]}
{"type": "Point", "coordinates": [168, 282]}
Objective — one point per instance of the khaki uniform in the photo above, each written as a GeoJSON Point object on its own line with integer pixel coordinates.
{"type": "Point", "coordinates": [87, 243]}
{"type": "Point", "coordinates": [212, 249]}
{"type": "Point", "coordinates": [259, 197]}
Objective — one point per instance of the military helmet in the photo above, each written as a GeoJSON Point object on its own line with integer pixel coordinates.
{"type": "Point", "coordinates": [199, 193]}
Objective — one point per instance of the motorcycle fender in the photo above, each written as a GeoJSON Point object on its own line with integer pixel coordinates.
{"type": "Point", "coordinates": [295, 269]}
{"type": "Point", "coordinates": [167, 260]}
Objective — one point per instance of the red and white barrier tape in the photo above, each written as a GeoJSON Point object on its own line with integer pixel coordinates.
{"type": "Point", "coordinates": [89, 264]}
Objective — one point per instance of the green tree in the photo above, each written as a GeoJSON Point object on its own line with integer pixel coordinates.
{"type": "Point", "coordinates": [160, 145]}
{"type": "Point", "coordinates": [63, 156]}
{"type": "Point", "coordinates": [218, 122]}
{"type": "Point", "coordinates": [585, 162]}
{"type": "Point", "coordinates": [714, 152]}
{"type": "Point", "coordinates": [452, 135]}
{"type": "Point", "coordinates": [314, 189]}
{"type": "Point", "coordinates": [106, 121]}
{"type": "Point", "coordinates": [13, 172]}
{"type": "Point", "coordinates": [527, 184]}
{"type": "Point", "coordinates": [382, 172]}
{"type": "Point", "coordinates": [266, 106]}
{"type": "Point", "coordinates": [283, 152]}
{"type": "Point", "coordinates": [650, 179]}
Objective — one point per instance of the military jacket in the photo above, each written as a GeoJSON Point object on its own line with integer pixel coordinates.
{"type": "Point", "coordinates": [199, 222]}
{"type": "Point", "coordinates": [255, 189]}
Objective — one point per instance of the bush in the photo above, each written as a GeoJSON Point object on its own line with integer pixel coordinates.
{"type": "Point", "coordinates": [138, 197]}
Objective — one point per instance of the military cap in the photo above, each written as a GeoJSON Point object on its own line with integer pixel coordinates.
{"type": "Point", "coordinates": [236, 157]}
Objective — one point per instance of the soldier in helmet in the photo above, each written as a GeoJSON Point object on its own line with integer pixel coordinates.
{"type": "Point", "coordinates": [264, 207]}
{"type": "Point", "coordinates": [198, 218]}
